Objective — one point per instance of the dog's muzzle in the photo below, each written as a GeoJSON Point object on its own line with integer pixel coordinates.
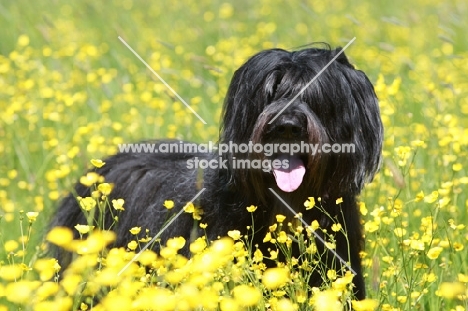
{"type": "Point", "coordinates": [289, 129]}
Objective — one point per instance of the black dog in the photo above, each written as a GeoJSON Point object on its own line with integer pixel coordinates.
{"type": "Point", "coordinates": [339, 107]}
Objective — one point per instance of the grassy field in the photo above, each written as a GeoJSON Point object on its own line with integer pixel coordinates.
{"type": "Point", "coordinates": [70, 91]}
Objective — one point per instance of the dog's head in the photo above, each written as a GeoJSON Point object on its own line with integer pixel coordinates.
{"type": "Point", "coordinates": [279, 97]}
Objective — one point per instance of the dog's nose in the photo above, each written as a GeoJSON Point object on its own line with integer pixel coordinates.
{"type": "Point", "coordinates": [288, 129]}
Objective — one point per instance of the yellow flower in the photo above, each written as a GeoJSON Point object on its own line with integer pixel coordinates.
{"type": "Point", "coordinates": [310, 203]}
{"type": "Point", "coordinates": [267, 237]}
{"type": "Point", "coordinates": [71, 282]}
{"type": "Point", "coordinates": [415, 294]}
{"type": "Point", "coordinates": [198, 213]}
{"type": "Point", "coordinates": [452, 224]}
{"type": "Point", "coordinates": [450, 290]}
{"type": "Point", "coordinates": [198, 245]}
{"type": "Point", "coordinates": [32, 216]}
{"type": "Point", "coordinates": [118, 204]}
{"type": "Point", "coordinates": [315, 225]}
{"type": "Point", "coordinates": [341, 284]}
{"type": "Point", "coordinates": [97, 163]}
{"type": "Point", "coordinates": [399, 232]}
{"type": "Point", "coordinates": [60, 236]}
{"type": "Point", "coordinates": [311, 249]}
{"type": "Point", "coordinates": [246, 295]}
{"type": "Point", "coordinates": [463, 278]}
{"type": "Point", "coordinates": [371, 226]}
{"type": "Point", "coordinates": [444, 243]}
{"type": "Point", "coordinates": [168, 253]}
{"type": "Point", "coordinates": [434, 252]}
{"type": "Point", "coordinates": [147, 257]}
{"type": "Point", "coordinates": [326, 301]}
{"type": "Point", "coordinates": [132, 245]}
{"type": "Point", "coordinates": [274, 278]}
{"type": "Point", "coordinates": [280, 218]}
{"type": "Point", "coordinates": [457, 167]}
{"type": "Point", "coordinates": [258, 256]}
{"type": "Point", "coordinates": [175, 276]}
{"type": "Point", "coordinates": [419, 196]}
{"type": "Point", "coordinates": [458, 246]}
{"type": "Point", "coordinates": [285, 304]}
{"type": "Point", "coordinates": [363, 208]}
{"type": "Point", "coordinates": [226, 10]}
{"type": "Point", "coordinates": [145, 239]}
{"type": "Point", "coordinates": [10, 246]}
{"type": "Point", "coordinates": [21, 292]}
{"type": "Point", "coordinates": [336, 227]}
{"type": "Point", "coordinates": [417, 143]}
{"type": "Point", "coordinates": [169, 204]}
{"type": "Point", "coordinates": [234, 234]}
{"type": "Point", "coordinates": [135, 230]}
{"type": "Point", "coordinates": [11, 272]}
{"type": "Point", "coordinates": [282, 237]}
{"type": "Point", "coordinates": [339, 201]}
{"type": "Point", "coordinates": [46, 268]}
{"type": "Point", "coordinates": [203, 225]}
{"type": "Point", "coordinates": [301, 296]}
{"type": "Point", "coordinates": [417, 245]}
{"type": "Point", "coordinates": [429, 277]}
{"type": "Point", "coordinates": [331, 274]}
{"type": "Point", "coordinates": [431, 198]}
{"type": "Point", "coordinates": [96, 194]}
{"type": "Point", "coordinates": [228, 304]}
{"type": "Point", "coordinates": [83, 229]}
{"type": "Point", "coordinates": [23, 40]}
{"type": "Point", "coordinates": [87, 203]}
{"type": "Point", "coordinates": [94, 243]}
{"type": "Point", "coordinates": [90, 179]}
{"type": "Point", "coordinates": [105, 188]}
{"type": "Point", "coordinates": [402, 299]}
{"type": "Point", "coordinates": [251, 208]}
{"type": "Point", "coordinates": [176, 243]}
{"type": "Point", "coordinates": [189, 208]}
{"type": "Point", "coordinates": [113, 302]}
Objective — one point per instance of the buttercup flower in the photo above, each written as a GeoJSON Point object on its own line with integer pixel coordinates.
{"type": "Point", "coordinates": [251, 208]}
{"type": "Point", "coordinates": [135, 230]}
{"type": "Point", "coordinates": [32, 216]}
{"type": "Point", "coordinates": [118, 204]}
{"type": "Point", "coordinates": [87, 203]}
{"type": "Point", "coordinates": [274, 278]}
{"type": "Point", "coordinates": [280, 218]}
{"type": "Point", "coordinates": [234, 234]}
{"type": "Point", "coordinates": [83, 229]}
{"type": "Point", "coordinates": [169, 204]}
{"type": "Point", "coordinates": [310, 203]}
{"type": "Point", "coordinates": [97, 163]}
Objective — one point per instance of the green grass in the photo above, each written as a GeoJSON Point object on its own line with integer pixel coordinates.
{"type": "Point", "coordinates": [70, 91]}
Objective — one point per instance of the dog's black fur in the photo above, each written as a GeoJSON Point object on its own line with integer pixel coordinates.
{"type": "Point", "coordinates": [339, 107]}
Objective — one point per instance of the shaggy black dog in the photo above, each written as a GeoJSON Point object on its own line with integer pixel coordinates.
{"type": "Point", "coordinates": [261, 107]}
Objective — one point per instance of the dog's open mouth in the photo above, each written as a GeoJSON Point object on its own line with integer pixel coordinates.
{"type": "Point", "coordinates": [290, 178]}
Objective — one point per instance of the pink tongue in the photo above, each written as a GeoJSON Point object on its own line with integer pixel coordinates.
{"type": "Point", "coordinates": [289, 179]}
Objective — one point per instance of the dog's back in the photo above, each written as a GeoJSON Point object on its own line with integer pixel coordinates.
{"type": "Point", "coordinates": [144, 180]}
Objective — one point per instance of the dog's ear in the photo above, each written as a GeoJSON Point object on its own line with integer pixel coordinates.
{"type": "Point", "coordinates": [342, 59]}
